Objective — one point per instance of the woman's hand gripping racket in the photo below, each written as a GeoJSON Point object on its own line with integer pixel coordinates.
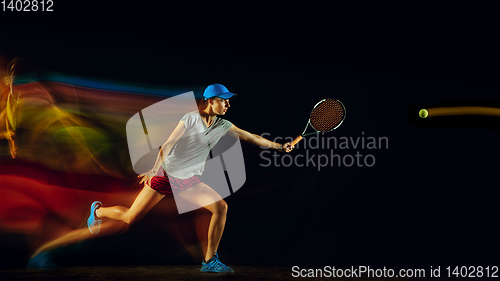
{"type": "Point", "coordinates": [326, 116]}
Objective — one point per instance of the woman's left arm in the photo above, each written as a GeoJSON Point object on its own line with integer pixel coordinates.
{"type": "Point", "coordinates": [260, 141]}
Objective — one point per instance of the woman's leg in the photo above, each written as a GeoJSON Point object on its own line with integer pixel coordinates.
{"type": "Point", "coordinates": [144, 202]}
{"type": "Point", "coordinates": [204, 196]}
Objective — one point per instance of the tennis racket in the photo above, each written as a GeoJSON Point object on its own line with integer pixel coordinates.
{"type": "Point", "coordinates": [326, 116]}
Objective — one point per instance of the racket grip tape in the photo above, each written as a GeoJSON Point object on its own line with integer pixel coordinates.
{"type": "Point", "coordinates": [296, 140]}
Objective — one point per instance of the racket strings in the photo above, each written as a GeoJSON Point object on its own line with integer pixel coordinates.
{"type": "Point", "coordinates": [327, 115]}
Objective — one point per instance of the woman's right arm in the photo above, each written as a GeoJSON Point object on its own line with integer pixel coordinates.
{"type": "Point", "coordinates": [164, 150]}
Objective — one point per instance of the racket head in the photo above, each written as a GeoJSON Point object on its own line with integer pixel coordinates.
{"type": "Point", "coordinates": [327, 115]}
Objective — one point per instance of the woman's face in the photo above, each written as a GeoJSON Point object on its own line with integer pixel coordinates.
{"type": "Point", "coordinates": [220, 106]}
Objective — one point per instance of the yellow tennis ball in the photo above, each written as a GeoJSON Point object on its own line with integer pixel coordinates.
{"type": "Point", "coordinates": [423, 113]}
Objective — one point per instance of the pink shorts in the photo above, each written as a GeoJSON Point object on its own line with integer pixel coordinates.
{"type": "Point", "coordinates": [165, 185]}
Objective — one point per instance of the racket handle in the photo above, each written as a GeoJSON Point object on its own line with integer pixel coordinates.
{"type": "Point", "coordinates": [296, 140]}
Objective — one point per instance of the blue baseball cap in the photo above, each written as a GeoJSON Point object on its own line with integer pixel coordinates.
{"type": "Point", "coordinates": [217, 90]}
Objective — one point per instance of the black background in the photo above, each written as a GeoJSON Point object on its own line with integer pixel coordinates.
{"type": "Point", "coordinates": [430, 199]}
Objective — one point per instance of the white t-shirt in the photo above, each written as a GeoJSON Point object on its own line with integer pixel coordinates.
{"type": "Point", "coordinates": [191, 151]}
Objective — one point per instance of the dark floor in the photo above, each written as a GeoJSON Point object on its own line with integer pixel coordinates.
{"type": "Point", "coordinates": [177, 272]}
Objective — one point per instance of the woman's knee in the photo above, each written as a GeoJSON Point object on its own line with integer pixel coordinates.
{"type": "Point", "coordinates": [128, 216]}
{"type": "Point", "coordinates": [221, 207]}
{"type": "Point", "coordinates": [131, 219]}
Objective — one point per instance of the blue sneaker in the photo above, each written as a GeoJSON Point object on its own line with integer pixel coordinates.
{"type": "Point", "coordinates": [94, 223]}
{"type": "Point", "coordinates": [215, 265]}
{"type": "Point", "coordinates": [41, 261]}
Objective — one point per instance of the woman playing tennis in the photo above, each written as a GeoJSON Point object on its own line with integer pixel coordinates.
{"type": "Point", "coordinates": [182, 157]}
